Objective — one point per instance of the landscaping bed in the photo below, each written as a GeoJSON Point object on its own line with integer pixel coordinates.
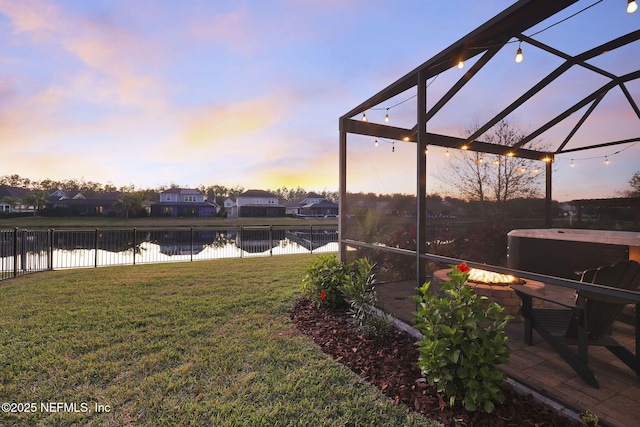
{"type": "Point", "coordinates": [391, 365]}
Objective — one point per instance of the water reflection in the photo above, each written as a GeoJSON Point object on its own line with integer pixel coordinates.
{"type": "Point", "coordinates": [93, 248]}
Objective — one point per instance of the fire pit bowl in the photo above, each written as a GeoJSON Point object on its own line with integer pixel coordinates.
{"type": "Point", "coordinates": [495, 287]}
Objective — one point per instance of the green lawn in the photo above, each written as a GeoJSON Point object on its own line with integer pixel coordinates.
{"type": "Point", "coordinates": [203, 344]}
{"type": "Point", "coordinates": [31, 222]}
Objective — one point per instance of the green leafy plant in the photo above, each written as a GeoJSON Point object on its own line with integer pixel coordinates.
{"type": "Point", "coordinates": [323, 281]}
{"type": "Point", "coordinates": [589, 418]}
{"type": "Point", "coordinates": [463, 341]}
{"type": "Point", "coordinates": [359, 292]}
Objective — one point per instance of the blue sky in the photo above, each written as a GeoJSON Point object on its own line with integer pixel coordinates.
{"type": "Point", "coordinates": [249, 92]}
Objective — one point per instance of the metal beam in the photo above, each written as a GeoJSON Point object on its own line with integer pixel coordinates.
{"type": "Point", "coordinates": [584, 117]}
{"type": "Point", "coordinates": [606, 144]}
{"type": "Point", "coordinates": [381, 131]}
{"type": "Point", "coordinates": [421, 184]}
{"type": "Point", "coordinates": [342, 193]}
{"type": "Point", "coordinates": [514, 20]}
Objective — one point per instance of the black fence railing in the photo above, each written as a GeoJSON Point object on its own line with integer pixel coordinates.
{"type": "Point", "coordinates": [25, 251]}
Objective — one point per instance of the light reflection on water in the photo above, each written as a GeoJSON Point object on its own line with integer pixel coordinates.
{"type": "Point", "coordinates": [80, 249]}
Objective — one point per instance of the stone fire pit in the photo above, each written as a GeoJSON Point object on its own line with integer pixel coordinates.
{"type": "Point", "coordinates": [493, 288]}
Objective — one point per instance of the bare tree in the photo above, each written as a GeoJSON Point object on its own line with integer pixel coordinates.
{"type": "Point", "coordinates": [634, 182]}
{"type": "Point", "coordinates": [484, 177]}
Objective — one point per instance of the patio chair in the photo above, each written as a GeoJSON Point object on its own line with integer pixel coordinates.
{"type": "Point", "coordinates": [587, 322]}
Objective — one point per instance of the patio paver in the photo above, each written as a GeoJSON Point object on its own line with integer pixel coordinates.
{"type": "Point", "coordinates": [616, 402]}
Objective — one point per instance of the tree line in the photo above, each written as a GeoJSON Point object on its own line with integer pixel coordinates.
{"type": "Point", "coordinates": [91, 189]}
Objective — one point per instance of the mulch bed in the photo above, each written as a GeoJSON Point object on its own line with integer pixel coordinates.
{"type": "Point", "coordinates": [391, 365]}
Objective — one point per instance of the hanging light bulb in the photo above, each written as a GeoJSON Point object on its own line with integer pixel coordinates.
{"type": "Point", "coordinates": [519, 56]}
{"type": "Point", "coordinates": [386, 117]}
{"type": "Point", "coordinates": [572, 164]}
{"type": "Point", "coordinates": [376, 143]}
{"type": "Point", "coordinates": [393, 147]}
{"type": "Point", "coordinates": [632, 6]}
{"type": "Point", "coordinates": [447, 153]}
{"type": "Point", "coordinates": [461, 65]}
{"type": "Point", "coordinates": [364, 117]}
{"type": "Point", "coordinates": [606, 160]}
{"type": "Point", "coordinates": [465, 147]}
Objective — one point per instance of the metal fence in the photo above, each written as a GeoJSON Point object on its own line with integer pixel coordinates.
{"type": "Point", "coordinates": [25, 251]}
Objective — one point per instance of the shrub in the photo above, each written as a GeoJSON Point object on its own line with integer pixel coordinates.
{"type": "Point", "coordinates": [359, 292]}
{"type": "Point", "coordinates": [323, 282]}
{"type": "Point", "coordinates": [463, 342]}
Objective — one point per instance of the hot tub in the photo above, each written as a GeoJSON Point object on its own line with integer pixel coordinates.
{"type": "Point", "coordinates": [562, 252]}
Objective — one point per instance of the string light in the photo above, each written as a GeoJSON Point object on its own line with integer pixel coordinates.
{"type": "Point", "coordinates": [393, 147]}
{"type": "Point", "coordinates": [364, 117]}
{"type": "Point", "coordinates": [376, 143]}
{"type": "Point", "coordinates": [519, 56]}
{"type": "Point", "coordinates": [606, 156]}
{"type": "Point", "coordinates": [632, 6]}
{"type": "Point", "coordinates": [386, 117]}
{"type": "Point", "coordinates": [461, 63]}
{"type": "Point", "coordinates": [465, 147]}
{"type": "Point", "coordinates": [447, 153]}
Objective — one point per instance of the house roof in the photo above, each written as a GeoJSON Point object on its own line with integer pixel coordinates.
{"type": "Point", "coordinates": [324, 204]}
{"type": "Point", "coordinates": [300, 200]}
{"type": "Point", "coordinates": [186, 191]}
{"type": "Point", "coordinates": [13, 192]}
{"type": "Point", "coordinates": [257, 193]}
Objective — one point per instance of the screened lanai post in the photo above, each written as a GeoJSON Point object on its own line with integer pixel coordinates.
{"type": "Point", "coordinates": [548, 223]}
{"type": "Point", "coordinates": [342, 194]}
{"type": "Point", "coordinates": [421, 172]}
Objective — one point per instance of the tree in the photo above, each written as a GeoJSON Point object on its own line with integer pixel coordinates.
{"type": "Point", "coordinates": [130, 204]}
{"type": "Point", "coordinates": [634, 182]}
{"type": "Point", "coordinates": [12, 202]}
{"type": "Point", "coordinates": [491, 179]}
{"type": "Point", "coordinates": [37, 199]}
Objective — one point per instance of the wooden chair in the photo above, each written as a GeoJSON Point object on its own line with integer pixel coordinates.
{"type": "Point", "coordinates": [588, 322]}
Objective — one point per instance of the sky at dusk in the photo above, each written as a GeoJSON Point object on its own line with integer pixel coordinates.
{"type": "Point", "coordinates": [249, 92]}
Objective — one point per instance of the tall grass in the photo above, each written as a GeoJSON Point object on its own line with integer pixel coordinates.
{"type": "Point", "coordinates": [194, 344]}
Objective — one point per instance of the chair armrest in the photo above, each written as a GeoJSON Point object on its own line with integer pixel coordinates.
{"type": "Point", "coordinates": [522, 290]}
{"type": "Point", "coordinates": [605, 298]}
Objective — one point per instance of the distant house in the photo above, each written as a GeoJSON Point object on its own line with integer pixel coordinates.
{"type": "Point", "coordinates": [259, 203]}
{"type": "Point", "coordinates": [61, 203]}
{"type": "Point", "coordinates": [11, 199]}
{"type": "Point", "coordinates": [231, 207]}
{"type": "Point", "coordinates": [184, 202]}
{"type": "Point", "coordinates": [312, 204]}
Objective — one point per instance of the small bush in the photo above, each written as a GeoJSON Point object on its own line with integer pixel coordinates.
{"type": "Point", "coordinates": [359, 292]}
{"type": "Point", "coordinates": [323, 282]}
{"type": "Point", "coordinates": [463, 342]}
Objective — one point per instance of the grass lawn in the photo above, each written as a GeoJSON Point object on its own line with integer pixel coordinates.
{"type": "Point", "coordinates": [186, 344]}
{"type": "Point", "coordinates": [31, 222]}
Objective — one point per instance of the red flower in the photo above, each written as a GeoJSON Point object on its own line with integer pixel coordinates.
{"type": "Point", "coordinates": [463, 268]}
{"type": "Point", "coordinates": [323, 295]}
